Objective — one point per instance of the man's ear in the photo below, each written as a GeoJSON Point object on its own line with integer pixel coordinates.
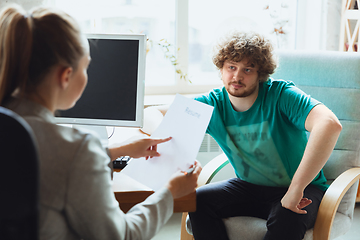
{"type": "Point", "coordinates": [64, 76]}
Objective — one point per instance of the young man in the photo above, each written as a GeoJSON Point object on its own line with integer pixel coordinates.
{"type": "Point", "coordinates": [260, 124]}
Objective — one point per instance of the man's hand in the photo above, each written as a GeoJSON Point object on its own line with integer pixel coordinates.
{"type": "Point", "coordinates": [294, 201]}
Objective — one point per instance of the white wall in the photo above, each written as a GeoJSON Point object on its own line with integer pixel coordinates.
{"type": "Point", "coordinates": [318, 24]}
{"type": "Point", "coordinates": [333, 24]}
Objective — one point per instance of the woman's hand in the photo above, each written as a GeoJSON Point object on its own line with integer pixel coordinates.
{"type": "Point", "coordinates": [182, 184]}
{"type": "Point", "coordinates": [143, 147]}
{"type": "Point", "coordinates": [146, 147]}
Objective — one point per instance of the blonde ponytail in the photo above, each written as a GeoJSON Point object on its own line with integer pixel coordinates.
{"type": "Point", "coordinates": [30, 45]}
{"type": "Point", "coordinates": [15, 49]}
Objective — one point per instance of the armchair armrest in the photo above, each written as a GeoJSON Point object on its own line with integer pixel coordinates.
{"type": "Point", "coordinates": [207, 174]}
{"type": "Point", "coordinates": [211, 169]}
{"type": "Point", "coordinates": [331, 201]}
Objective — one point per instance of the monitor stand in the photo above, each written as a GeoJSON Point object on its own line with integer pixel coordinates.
{"type": "Point", "coordinates": [99, 131]}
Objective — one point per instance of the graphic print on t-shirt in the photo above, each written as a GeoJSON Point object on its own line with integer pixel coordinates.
{"type": "Point", "coordinates": [255, 156]}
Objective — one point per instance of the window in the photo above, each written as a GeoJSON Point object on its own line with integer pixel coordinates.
{"type": "Point", "coordinates": [270, 18]}
{"type": "Point", "coordinates": [190, 26]}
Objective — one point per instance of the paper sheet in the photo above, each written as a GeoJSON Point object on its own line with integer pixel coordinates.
{"type": "Point", "coordinates": [186, 122]}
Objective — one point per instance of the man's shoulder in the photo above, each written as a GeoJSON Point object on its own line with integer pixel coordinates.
{"type": "Point", "coordinates": [275, 87]}
{"type": "Point", "coordinates": [278, 83]}
{"type": "Point", "coordinates": [212, 97]}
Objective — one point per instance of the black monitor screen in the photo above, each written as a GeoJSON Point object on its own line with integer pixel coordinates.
{"type": "Point", "coordinates": [112, 89]}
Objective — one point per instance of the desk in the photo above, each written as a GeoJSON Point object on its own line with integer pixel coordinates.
{"type": "Point", "coordinates": [129, 192]}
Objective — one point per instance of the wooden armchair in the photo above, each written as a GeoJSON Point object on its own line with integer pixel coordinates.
{"type": "Point", "coordinates": [334, 79]}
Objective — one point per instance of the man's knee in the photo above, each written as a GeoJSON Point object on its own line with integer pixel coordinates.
{"type": "Point", "coordinates": [286, 224]}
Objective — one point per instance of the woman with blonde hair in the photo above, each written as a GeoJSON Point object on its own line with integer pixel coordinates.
{"type": "Point", "coordinates": [43, 63]}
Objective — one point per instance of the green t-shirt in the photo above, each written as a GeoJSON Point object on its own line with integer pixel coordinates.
{"type": "Point", "coordinates": [264, 144]}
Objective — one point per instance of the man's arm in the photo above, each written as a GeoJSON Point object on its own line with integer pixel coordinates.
{"type": "Point", "coordinates": [324, 128]}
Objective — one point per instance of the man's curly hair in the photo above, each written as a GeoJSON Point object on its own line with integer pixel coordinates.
{"type": "Point", "coordinates": [237, 46]}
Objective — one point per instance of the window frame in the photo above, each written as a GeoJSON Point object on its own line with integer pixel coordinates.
{"type": "Point", "coordinates": [182, 43]}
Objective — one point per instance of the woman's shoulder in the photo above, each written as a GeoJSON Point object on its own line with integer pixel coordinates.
{"type": "Point", "coordinates": [54, 133]}
{"type": "Point", "coordinates": [65, 143]}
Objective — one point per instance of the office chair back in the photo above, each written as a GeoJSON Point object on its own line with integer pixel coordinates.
{"type": "Point", "coordinates": [19, 204]}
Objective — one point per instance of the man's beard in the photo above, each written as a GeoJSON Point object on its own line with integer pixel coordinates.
{"type": "Point", "coordinates": [241, 93]}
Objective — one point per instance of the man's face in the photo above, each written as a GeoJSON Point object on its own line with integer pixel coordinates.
{"type": "Point", "coordinates": [241, 79]}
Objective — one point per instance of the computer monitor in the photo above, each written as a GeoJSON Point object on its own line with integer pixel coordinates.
{"type": "Point", "coordinates": [114, 95]}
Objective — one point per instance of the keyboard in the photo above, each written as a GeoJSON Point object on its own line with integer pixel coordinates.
{"type": "Point", "coordinates": [121, 162]}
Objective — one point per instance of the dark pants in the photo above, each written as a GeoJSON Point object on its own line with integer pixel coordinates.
{"type": "Point", "coordinates": [235, 197]}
